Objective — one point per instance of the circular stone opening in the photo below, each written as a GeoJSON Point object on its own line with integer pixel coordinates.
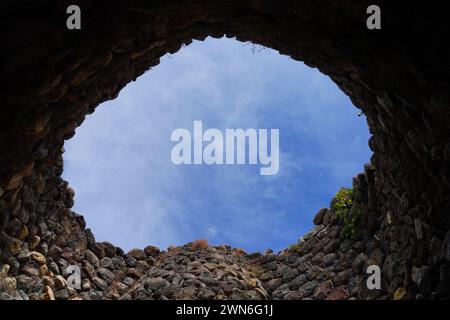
{"type": "Point", "coordinates": [119, 161]}
{"type": "Point", "coordinates": [52, 77]}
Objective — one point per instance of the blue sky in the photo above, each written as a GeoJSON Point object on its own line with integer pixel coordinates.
{"type": "Point", "coordinates": [131, 193]}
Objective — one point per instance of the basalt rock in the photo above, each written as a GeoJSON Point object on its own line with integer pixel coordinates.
{"type": "Point", "coordinates": [52, 77]}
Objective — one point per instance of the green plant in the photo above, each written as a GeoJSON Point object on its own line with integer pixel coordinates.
{"type": "Point", "coordinates": [347, 210]}
{"type": "Point", "coordinates": [294, 247]}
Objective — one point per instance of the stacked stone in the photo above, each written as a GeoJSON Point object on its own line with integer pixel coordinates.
{"type": "Point", "coordinates": [321, 266]}
{"type": "Point", "coordinates": [325, 264]}
{"type": "Point", "coordinates": [196, 273]}
{"type": "Point", "coordinates": [42, 237]}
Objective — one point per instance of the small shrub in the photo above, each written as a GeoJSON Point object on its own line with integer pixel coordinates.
{"type": "Point", "coordinates": [200, 244]}
{"type": "Point", "coordinates": [294, 247]}
{"type": "Point", "coordinates": [240, 252]}
{"type": "Point", "coordinates": [347, 211]}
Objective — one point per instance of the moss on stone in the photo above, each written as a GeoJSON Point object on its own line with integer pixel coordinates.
{"type": "Point", "coordinates": [347, 210]}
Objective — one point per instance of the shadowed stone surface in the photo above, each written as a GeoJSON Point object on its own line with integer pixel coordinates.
{"type": "Point", "coordinates": [50, 78]}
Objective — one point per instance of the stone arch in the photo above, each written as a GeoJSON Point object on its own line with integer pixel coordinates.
{"type": "Point", "coordinates": [52, 77]}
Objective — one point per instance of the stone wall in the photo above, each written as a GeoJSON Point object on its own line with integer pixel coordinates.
{"type": "Point", "coordinates": [51, 78]}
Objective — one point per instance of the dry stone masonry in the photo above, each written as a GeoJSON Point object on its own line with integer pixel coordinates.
{"type": "Point", "coordinates": [398, 217]}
